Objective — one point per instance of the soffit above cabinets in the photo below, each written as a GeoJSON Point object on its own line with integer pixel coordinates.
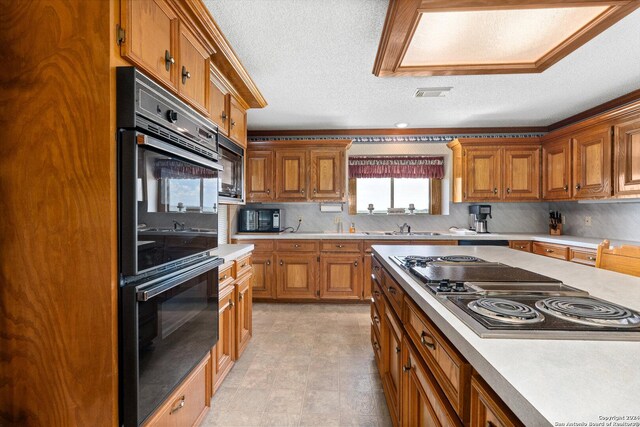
{"type": "Point", "coordinates": [433, 37]}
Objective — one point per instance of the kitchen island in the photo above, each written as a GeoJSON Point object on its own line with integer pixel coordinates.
{"type": "Point", "coordinates": [543, 382]}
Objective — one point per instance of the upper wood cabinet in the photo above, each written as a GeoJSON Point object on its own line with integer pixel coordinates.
{"type": "Point", "coordinates": [496, 170]}
{"type": "Point", "coordinates": [556, 166]}
{"type": "Point", "coordinates": [150, 40]}
{"type": "Point", "coordinates": [219, 104]}
{"type": "Point", "coordinates": [302, 172]}
{"type": "Point", "coordinates": [238, 123]}
{"type": "Point", "coordinates": [521, 179]}
{"type": "Point", "coordinates": [482, 173]}
{"type": "Point", "coordinates": [260, 185]}
{"type": "Point", "coordinates": [626, 166]}
{"type": "Point", "coordinates": [327, 174]}
{"type": "Point", "coordinates": [194, 70]}
{"type": "Point", "coordinates": [291, 175]}
{"type": "Point", "coordinates": [592, 163]}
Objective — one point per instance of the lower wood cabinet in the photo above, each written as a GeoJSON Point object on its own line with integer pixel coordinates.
{"type": "Point", "coordinates": [392, 364]}
{"type": "Point", "coordinates": [297, 276]}
{"type": "Point", "coordinates": [486, 408]}
{"type": "Point", "coordinates": [423, 402]}
{"type": "Point", "coordinates": [583, 256]}
{"type": "Point", "coordinates": [263, 279]}
{"type": "Point", "coordinates": [341, 276]}
{"type": "Point", "coordinates": [521, 245]}
{"type": "Point", "coordinates": [551, 250]}
{"type": "Point", "coordinates": [224, 350]}
{"type": "Point", "coordinates": [188, 405]}
{"type": "Point", "coordinates": [244, 312]}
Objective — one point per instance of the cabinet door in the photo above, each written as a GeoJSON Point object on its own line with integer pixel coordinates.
{"type": "Point", "coordinates": [327, 178]}
{"type": "Point", "coordinates": [341, 276]}
{"type": "Point", "coordinates": [592, 164]}
{"type": "Point", "coordinates": [150, 38]}
{"type": "Point", "coordinates": [482, 174]}
{"type": "Point", "coordinates": [291, 175]}
{"type": "Point", "coordinates": [297, 276]}
{"type": "Point", "coordinates": [259, 176]}
{"type": "Point", "coordinates": [521, 173]}
{"type": "Point", "coordinates": [224, 353]}
{"type": "Point", "coordinates": [263, 276]}
{"type": "Point", "coordinates": [423, 402]}
{"type": "Point", "coordinates": [367, 282]}
{"type": "Point", "coordinates": [194, 72]}
{"type": "Point", "coordinates": [219, 105]}
{"type": "Point", "coordinates": [626, 167]}
{"type": "Point", "coordinates": [392, 364]}
{"type": "Point", "coordinates": [244, 312]}
{"type": "Point", "coordinates": [238, 130]}
{"type": "Point", "coordinates": [556, 169]}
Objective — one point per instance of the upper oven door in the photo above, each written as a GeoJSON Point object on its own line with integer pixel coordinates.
{"type": "Point", "coordinates": [169, 204]}
{"type": "Point", "coordinates": [232, 175]}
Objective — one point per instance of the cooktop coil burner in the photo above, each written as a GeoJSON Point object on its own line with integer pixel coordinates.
{"type": "Point", "coordinates": [506, 311]}
{"type": "Point", "coordinates": [418, 258]}
{"type": "Point", "coordinates": [589, 311]}
{"type": "Point", "coordinates": [460, 258]}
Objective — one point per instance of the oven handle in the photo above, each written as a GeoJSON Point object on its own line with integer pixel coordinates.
{"type": "Point", "coordinates": [142, 139]}
{"type": "Point", "coordinates": [163, 284]}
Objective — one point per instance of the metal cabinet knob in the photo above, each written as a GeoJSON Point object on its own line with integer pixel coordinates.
{"type": "Point", "coordinates": [185, 74]}
{"type": "Point", "coordinates": [268, 191]}
{"type": "Point", "coordinates": [566, 187]}
{"type": "Point", "coordinates": [302, 191]}
{"type": "Point", "coordinates": [231, 304]}
{"type": "Point", "coordinates": [397, 349]}
{"type": "Point", "coordinates": [281, 262]}
{"type": "Point", "coordinates": [268, 262]}
{"type": "Point", "coordinates": [168, 60]}
{"type": "Point", "coordinates": [495, 191]}
{"type": "Point", "coordinates": [407, 368]}
{"type": "Point", "coordinates": [223, 116]}
{"type": "Point", "coordinates": [355, 264]}
{"type": "Point", "coordinates": [508, 190]}
{"type": "Point", "coordinates": [315, 191]}
{"type": "Point", "coordinates": [578, 186]}
{"type": "Point", "coordinates": [296, 246]}
{"type": "Point", "coordinates": [391, 289]}
{"type": "Point", "coordinates": [240, 296]}
{"type": "Point", "coordinates": [233, 123]}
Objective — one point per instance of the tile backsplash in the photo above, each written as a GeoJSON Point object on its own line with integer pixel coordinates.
{"type": "Point", "coordinates": [608, 220]}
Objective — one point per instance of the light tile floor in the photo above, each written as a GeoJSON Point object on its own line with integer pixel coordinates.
{"type": "Point", "coordinates": [306, 365]}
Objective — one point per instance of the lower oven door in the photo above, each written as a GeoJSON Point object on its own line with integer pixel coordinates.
{"type": "Point", "coordinates": [168, 325]}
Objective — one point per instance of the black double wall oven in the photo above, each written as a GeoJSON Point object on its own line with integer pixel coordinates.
{"type": "Point", "coordinates": [168, 173]}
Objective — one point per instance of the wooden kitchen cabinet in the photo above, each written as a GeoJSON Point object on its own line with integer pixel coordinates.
{"type": "Point", "coordinates": [150, 38]}
{"type": "Point", "coordinates": [551, 250]}
{"type": "Point", "coordinates": [482, 173]}
{"type": "Point", "coordinates": [392, 364]}
{"type": "Point", "coordinates": [224, 351]}
{"type": "Point", "coordinates": [244, 313]}
{"type": "Point", "coordinates": [263, 276]}
{"type": "Point", "coordinates": [260, 177]}
{"type": "Point", "coordinates": [521, 245]}
{"type": "Point", "coordinates": [626, 165]}
{"type": "Point", "coordinates": [556, 169]}
{"type": "Point", "coordinates": [327, 175]}
{"type": "Point", "coordinates": [521, 180]}
{"type": "Point", "coordinates": [591, 159]}
{"type": "Point", "coordinates": [487, 410]}
{"type": "Point", "coordinates": [238, 122]}
{"type": "Point", "coordinates": [194, 70]}
{"type": "Point", "coordinates": [220, 104]}
{"type": "Point", "coordinates": [297, 276]}
{"type": "Point", "coordinates": [583, 256]}
{"type": "Point", "coordinates": [423, 402]}
{"type": "Point", "coordinates": [291, 175]}
{"type": "Point", "coordinates": [341, 276]}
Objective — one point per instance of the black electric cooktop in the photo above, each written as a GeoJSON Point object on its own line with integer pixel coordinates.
{"type": "Point", "coordinates": [485, 272]}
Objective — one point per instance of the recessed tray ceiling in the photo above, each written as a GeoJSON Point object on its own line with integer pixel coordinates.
{"type": "Point", "coordinates": [494, 36]}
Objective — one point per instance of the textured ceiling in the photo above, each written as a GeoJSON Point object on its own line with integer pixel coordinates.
{"type": "Point", "coordinates": [312, 60]}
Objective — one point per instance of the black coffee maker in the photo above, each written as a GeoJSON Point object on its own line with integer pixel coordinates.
{"type": "Point", "coordinates": [478, 217]}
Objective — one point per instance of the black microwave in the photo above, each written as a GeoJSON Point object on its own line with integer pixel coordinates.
{"type": "Point", "coordinates": [260, 220]}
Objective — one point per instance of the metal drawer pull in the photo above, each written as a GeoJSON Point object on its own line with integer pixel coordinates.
{"type": "Point", "coordinates": [296, 246]}
{"type": "Point", "coordinates": [391, 289]}
{"type": "Point", "coordinates": [339, 246]}
{"type": "Point", "coordinates": [424, 342]}
{"type": "Point", "coordinates": [224, 277]}
{"type": "Point", "coordinates": [243, 265]}
{"type": "Point", "coordinates": [178, 407]}
{"type": "Point", "coordinates": [376, 345]}
{"type": "Point", "coordinates": [548, 251]}
{"type": "Point", "coordinates": [592, 258]}
{"type": "Point", "coordinates": [376, 319]}
{"type": "Point", "coordinates": [407, 368]}
{"type": "Point", "coordinates": [376, 293]}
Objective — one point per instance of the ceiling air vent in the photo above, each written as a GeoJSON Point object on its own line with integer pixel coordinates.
{"type": "Point", "coordinates": [432, 92]}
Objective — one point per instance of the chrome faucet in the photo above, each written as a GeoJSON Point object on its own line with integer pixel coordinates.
{"type": "Point", "coordinates": [403, 226]}
{"type": "Point", "coordinates": [178, 225]}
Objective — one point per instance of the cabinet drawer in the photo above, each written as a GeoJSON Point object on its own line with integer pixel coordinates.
{"type": "Point", "coordinates": [487, 409]}
{"type": "Point", "coordinates": [368, 243]}
{"type": "Point", "coordinates": [551, 250]}
{"type": "Point", "coordinates": [259, 245]}
{"type": "Point", "coordinates": [188, 404]}
{"type": "Point", "coordinates": [377, 349]}
{"type": "Point", "coordinates": [377, 297]}
{"type": "Point", "coordinates": [520, 245]}
{"type": "Point", "coordinates": [298, 246]}
{"type": "Point", "coordinates": [375, 318]}
{"type": "Point", "coordinates": [243, 265]}
{"type": "Point", "coordinates": [447, 365]}
{"type": "Point", "coordinates": [582, 256]}
{"type": "Point", "coordinates": [225, 275]}
{"type": "Point", "coordinates": [394, 293]}
{"type": "Point", "coordinates": [340, 246]}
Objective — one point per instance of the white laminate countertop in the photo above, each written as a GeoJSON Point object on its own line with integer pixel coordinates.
{"type": "Point", "coordinates": [583, 242]}
{"type": "Point", "coordinates": [544, 382]}
{"type": "Point", "coordinates": [232, 252]}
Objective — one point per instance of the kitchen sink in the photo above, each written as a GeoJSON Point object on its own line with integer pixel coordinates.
{"type": "Point", "coordinates": [424, 233]}
{"type": "Point", "coordinates": [399, 233]}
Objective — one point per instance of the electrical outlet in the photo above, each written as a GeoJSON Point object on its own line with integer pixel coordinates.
{"type": "Point", "coordinates": [587, 221]}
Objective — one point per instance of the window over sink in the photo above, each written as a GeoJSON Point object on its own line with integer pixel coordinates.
{"type": "Point", "coordinates": [394, 193]}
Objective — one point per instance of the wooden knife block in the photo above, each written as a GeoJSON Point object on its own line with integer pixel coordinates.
{"type": "Point", "coordinates": [557, 231]}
